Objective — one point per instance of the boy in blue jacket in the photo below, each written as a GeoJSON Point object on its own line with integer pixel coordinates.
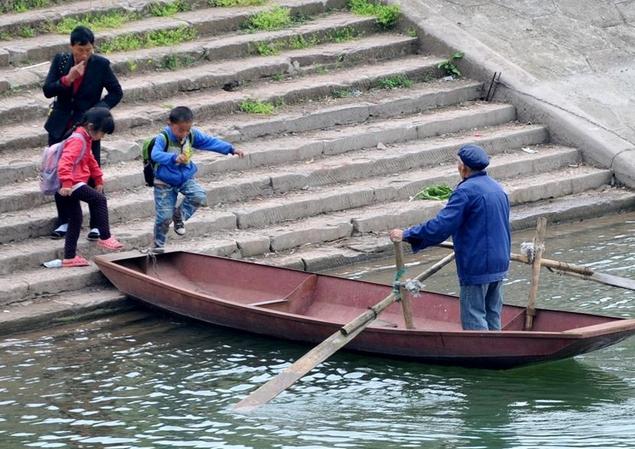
{"type": "Point", "coordinates": [174, 173]}
{"type": "Point", "coordinates": [477, 218]}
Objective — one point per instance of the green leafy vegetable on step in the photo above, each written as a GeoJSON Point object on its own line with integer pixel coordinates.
{"type": "Point", "coordinates": [437, 192]}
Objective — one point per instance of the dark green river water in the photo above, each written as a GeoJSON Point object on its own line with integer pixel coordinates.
{"type": "Point", "coordinates": [144, 380]}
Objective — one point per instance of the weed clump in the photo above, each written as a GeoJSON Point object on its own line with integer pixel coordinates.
{"type": "Point", "coordinates": [385, 15]}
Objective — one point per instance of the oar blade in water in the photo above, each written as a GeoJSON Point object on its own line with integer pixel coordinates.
{"type": "Point", "coordinates": [297, 370]}
{"type": "Point", "coordinates": [326, 349]}
{"type": "Point", "coordinates": [615, 281]}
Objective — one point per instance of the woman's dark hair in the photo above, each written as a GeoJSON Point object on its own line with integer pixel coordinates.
{"type": "Point", "coordinates": [181, 114]}
{"type": "Point", "coordinates": [100, 119]}
{"type": "Point", "coordinates": [82, 35]}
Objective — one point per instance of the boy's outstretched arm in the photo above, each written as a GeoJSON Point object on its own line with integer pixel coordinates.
{"type": "Point", "coordinates": [206, 142]}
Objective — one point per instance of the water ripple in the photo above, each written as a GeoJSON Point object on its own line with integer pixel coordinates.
{"type": "Point", "coordinates": [138, 380]}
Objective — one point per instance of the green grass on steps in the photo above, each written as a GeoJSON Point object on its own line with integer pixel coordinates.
{"type": "Point", "coordinates": [13, 6]}
{"type": "Point", "coordinates": [114, 19]}
{"type": "Point", "coordinates": [235, 3]}
{"type": "Point", "coordinates": [298, 42]}
{"type": "Point", "coordinates": [386, 15]}
{"type": "Point", "coordinates": [275, 18]}
{"type": "Point", "coordinates": [257, 107]}
{"type": "Point", "coordinates": [156, 38]}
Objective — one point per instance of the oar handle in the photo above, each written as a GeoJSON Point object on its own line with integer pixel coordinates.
{"type": "Point", "coordinates": [406, 307]}
{"type": "Point", "coordinates": [398, 256]}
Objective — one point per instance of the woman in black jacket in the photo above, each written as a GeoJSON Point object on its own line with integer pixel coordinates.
{"type": "Point", "coordinates": [77, 80]}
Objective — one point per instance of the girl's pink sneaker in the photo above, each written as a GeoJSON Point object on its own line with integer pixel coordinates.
{"type": "Point", "coordinates": [77, 261]}
{"type": "Point", "coordinates": [111, 244]}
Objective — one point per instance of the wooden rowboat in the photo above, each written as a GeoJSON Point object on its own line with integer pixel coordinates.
{"type": "Point", "coordinates": [307, 307]}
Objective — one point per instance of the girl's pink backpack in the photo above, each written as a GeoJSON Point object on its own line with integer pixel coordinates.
{"type": "Point", "coordinates": [49, 180]}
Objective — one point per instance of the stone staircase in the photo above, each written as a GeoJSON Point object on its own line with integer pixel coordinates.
{"type": "Point", "coordinates": [326, 175]}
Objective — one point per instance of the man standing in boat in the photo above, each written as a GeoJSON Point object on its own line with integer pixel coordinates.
{"type": "Point", "coordinates": [477, 218]}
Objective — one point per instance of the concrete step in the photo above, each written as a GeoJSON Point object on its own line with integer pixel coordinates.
{"type": "Point", "coordinates": [227, 46]}
{"type": "Point", "coordinates": [275, 152]}
{"type": "Point", "coordinates": [41, 20]}
{"type": "Point", "coordinates": [566, 180]}
{"type": "Point", "coordinates": [210, 103]}
{"type": "Point", "coordinates": [320, 242]}
{"type": "Point", "coordinates": [9, 7]}
{"type": "Point", "coordinates": [133, 217]}
{"type": "Point", "coordinates": [240, 127]}
{"type": "Point", "coordinates": [206, 22]}
{"type": "Point", "coordinates": [326, 255]}
{"type": "Point", "coordinates": [293, 206]}
{"type": "Point", "coordinates": [43, 312]}
{"type": "Point", "coordinates": [157, 86]}
{"type": "Point", "coordinates": [260, 183]}
{"type": "Point", "coordinates": [38, 283]}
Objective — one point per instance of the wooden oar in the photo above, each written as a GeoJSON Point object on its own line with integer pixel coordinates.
{"type": "Point", "coordinates": [602, 278]}
{"type": "Point", "coordinates": [324, 350]}
{"type": "Point", "coordinates": [579, 271]}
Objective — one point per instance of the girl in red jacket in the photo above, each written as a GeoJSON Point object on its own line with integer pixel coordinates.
{"type": "Point", "coordinates": [76, 166]}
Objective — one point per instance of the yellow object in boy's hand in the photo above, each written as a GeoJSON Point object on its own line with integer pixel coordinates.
{"type": "Point", "coordinates": [182, 159]}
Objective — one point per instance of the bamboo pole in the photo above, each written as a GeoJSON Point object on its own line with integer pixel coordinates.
{"type": "Point", "coordinates": [570, 269]}
{"type": "Point", "coordinates": [539, 247]}
{"type": "Point", "coordinates": [406, 306]}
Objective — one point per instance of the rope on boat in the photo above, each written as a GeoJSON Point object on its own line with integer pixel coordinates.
{"type": "Point", "coordinates": [527, 249]}
{"type": "Point", "coordinates": [396, 284]}
{"type": "Point", "coordinates": [150, 256]}
{"type": "Point", "coordinates": [413, 286]}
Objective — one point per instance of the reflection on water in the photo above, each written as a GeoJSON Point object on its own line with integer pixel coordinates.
{"type": "Point", "coordinates": [142, 380]}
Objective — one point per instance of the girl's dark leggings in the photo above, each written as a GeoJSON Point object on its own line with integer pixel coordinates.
{"type": "Point", "coordinates": [62, 213]}
{"type": "Point", "coordinates": [98, 206]}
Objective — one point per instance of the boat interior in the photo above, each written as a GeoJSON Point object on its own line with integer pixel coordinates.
{"type": "Point", "coordinates": [324, 297]}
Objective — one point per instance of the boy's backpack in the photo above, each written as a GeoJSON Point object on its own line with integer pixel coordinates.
{"type": "Point", "coordinates": [49, 179]}
{"type": "Point", "coordinates": [149, 166]}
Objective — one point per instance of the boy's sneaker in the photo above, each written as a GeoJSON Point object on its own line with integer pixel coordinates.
{"type": "Point", "coordinates": [93, 235]}
{"type": "Point", "coordinates": [77, 261]}
{"type": "Point", "coordinates": [59, 232]}
{"type": "Point", "coordinates": [157, 250]}
{"type": "Point", "coordinates": [179, 226]}
{"type": "Point", "coordinates": [111, 244]}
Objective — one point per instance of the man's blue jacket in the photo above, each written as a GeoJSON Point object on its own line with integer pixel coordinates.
{"type": "Point", "coordinates": [477, 218]}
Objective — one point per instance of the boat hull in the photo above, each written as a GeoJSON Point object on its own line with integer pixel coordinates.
{"type": "Point", "coordinates": [305, 307]}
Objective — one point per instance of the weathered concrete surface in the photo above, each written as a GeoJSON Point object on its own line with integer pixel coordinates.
{"type": "Point", "coordinates": [209, 21]}
{"type": "Point", "coordinates": [195, 52]}
{"type": "Point", "coordinates": [124, 146]}
{"type": "Point", "coordinates": [373, 215]}
{"type": "Point", "coordinates": [212, 103]}
{"type": "Point", "coordinates": [84, 303]}
{"type": "Point", "coordinates": [566, 63]}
